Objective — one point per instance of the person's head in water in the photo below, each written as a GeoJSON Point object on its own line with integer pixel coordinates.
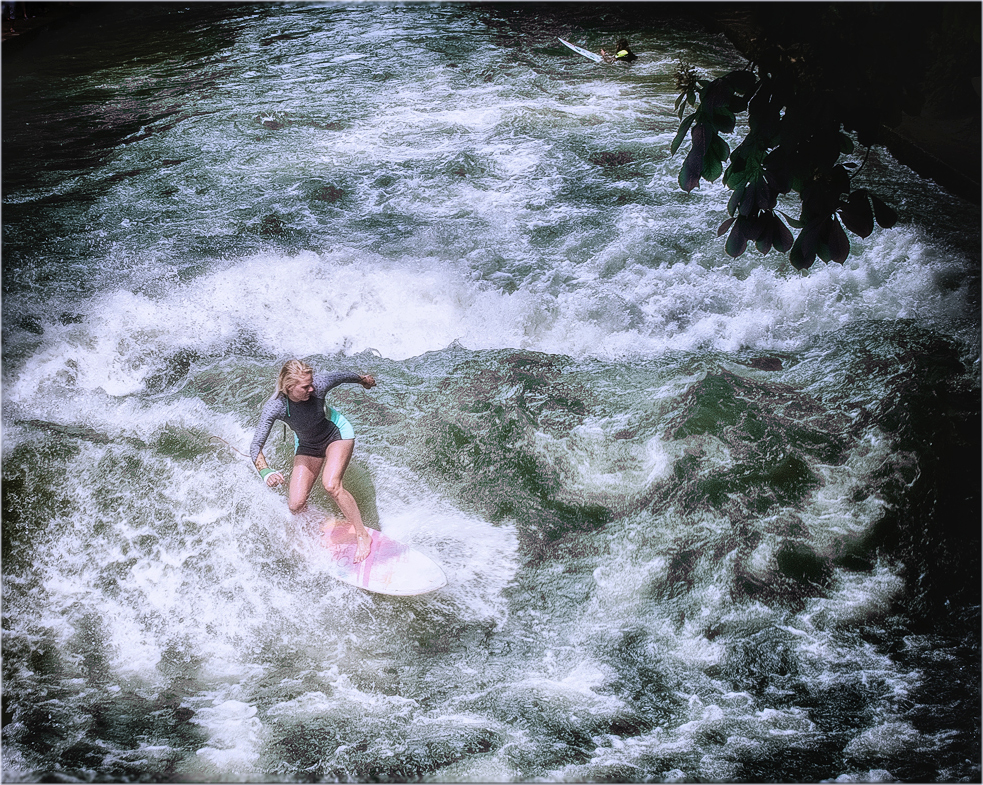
{"type": "Point", "coordinates": [623, 51]}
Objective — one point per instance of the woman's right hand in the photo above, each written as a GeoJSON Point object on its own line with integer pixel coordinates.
{"type": "Point", "coordinates": [274, 479]}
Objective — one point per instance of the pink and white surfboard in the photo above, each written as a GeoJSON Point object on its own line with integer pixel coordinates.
{"type": "Point", "coordinates": [390, 568]}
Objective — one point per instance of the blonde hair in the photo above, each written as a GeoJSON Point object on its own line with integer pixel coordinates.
{"type": "Point", "coordinates": [292, 373]}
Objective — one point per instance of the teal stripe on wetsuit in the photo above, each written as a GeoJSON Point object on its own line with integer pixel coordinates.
{"type": "Point", "coordinates": [347, 432]}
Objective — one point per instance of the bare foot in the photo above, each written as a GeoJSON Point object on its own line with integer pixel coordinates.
{"type": "Point", "coordinates": [363, 547]}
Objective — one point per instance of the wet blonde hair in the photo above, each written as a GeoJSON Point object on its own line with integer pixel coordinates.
{"type": "Point", "coordinates": [292, 373]}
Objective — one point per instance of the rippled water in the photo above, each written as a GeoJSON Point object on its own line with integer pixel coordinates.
{"type": "Point", "coordinates": [702, 518]}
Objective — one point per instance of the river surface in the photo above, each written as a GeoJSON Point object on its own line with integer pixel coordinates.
{"type": "Point", "coordinates": [702, 519]}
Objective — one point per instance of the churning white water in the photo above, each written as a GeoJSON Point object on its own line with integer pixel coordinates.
{"type": "Point", "coordinates": [688, 506]}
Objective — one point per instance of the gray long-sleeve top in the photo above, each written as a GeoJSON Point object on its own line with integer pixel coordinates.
{"type": "Point", "coordinates": [306, 419]}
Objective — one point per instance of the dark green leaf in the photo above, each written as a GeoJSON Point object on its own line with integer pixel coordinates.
{"type": "Point", "coordinates": [736, 241]}
{"type": "Point", "coordinates": [773, 186]}
{"type": "Point", "coordinates": [776, 163]}
{"type": "Point", "coordinates": [724, 119]}
{"type": "Point", "coordinates": [823, 250]}
{"type": "Point", "coordinates": [681, 133]}
{"type": "Point", "coordinates": [782, 237]}
{"type": "Point", "coordinates": [886, 216]}
{"type": "Point", "coordinates": [734, 202]}
{"type": "Point", "coordinates": [837, 241]}
{"type": "Point", "coordinates": [764, 242]}
{"type": "Point", "coordinates": [803, 252]}
{"type": "Point", "coordinates": [725, 226]}
{"type": "Point", "coordinates": [857, 215]}
{"type": "Point", "coordinates": [750, 199]}
{"type": "Point", "coordinates": [755, 227]}
{"type": "Point", "coordinates": [764, 198]}
{"type": "Point", "coordinates": [689, 174]}
{"type": "Point", "coordinates": [719, 147]}
{"type": "Point", "coordinates": [715, 95]}
{"type": "Point", "coordinates": [713, 167]}
{"type": "Point", "coordinates": [840, 180]}
{"type": "Point", "coordinates": [793, 222]}
{"type": "Point", "coordinates": [733, 177]}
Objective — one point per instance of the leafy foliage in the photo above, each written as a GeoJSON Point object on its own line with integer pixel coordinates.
{"type": "Point", "coordinates": [794, 143]}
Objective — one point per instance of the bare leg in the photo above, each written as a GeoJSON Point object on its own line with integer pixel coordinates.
{"type": "Point", "coordinates": [337, 458]}
{"type": "Point", "coordinates": [302, 480]}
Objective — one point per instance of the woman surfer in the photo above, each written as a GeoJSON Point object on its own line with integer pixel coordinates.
{"type": "Point", "coordinates": [324, 438]}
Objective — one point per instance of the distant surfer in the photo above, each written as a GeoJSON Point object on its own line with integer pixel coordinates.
{"type": "Point", "coordinates": [323, 438]}
{"type": "Point", "coordinates": [622, 53]}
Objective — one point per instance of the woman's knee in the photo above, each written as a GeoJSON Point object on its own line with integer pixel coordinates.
{"type": "Point", "coordinates": [333, 486]}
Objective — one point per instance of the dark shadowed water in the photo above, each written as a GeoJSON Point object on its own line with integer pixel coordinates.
{"type": "Point", "coordinates": [702, 519]}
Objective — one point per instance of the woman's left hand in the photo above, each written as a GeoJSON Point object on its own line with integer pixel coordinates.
{"type": "Point", "coordinates": [363, 546]}
{"type": "Point", "coordinates": [368, 382]}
